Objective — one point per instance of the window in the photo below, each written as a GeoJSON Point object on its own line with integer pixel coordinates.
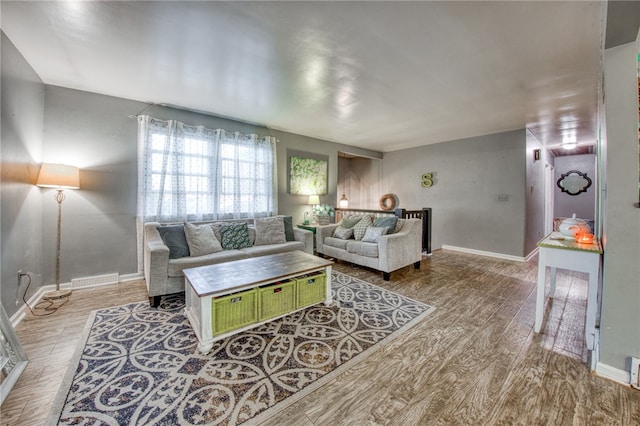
{"type": "Point", "coordinates": [194, 173]}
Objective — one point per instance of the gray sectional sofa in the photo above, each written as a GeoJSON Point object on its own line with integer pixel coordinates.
{"type": "Point", "coordinates": [400, 247]}
{"type": "Point", "coordinates": [165, 257]}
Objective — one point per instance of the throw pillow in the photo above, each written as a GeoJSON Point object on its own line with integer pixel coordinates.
{"type": "Point", "coordinates": [288, 229]}
{"type": "Point", "coordinates": [174, 238]}
{"type": "Point", "coordinates": [360, 228]}
{"type": "Point", "coordinates": [373, 234]}
{"type": "Point", "coordinates": [235, 236]}
{"type": "Point", "coordinates": [201, 239]}
{"type": "Point", "coordinates": [270, 230]}
{"type": "Point", "coordinates": [350, 221]}
{"type": "Point", "coordinates": [216, 229]}
{"type": "Point", "coordinates": [252, 234]}
{"type": "Point", "coordinates": [343, 233]}
{"type": "Point", "coordinates": [388, 221]}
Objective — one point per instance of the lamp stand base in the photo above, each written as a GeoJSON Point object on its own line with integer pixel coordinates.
{"type": "Point", "coordinates": [56, 294]}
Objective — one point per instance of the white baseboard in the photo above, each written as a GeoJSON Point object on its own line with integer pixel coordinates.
{"type": "Point", "coordinates": [484, 253]}
{"type": "Point", "coordinates": [131, 277]}
{"type": "Point", "coordinates": [531, 255]}
{"type": "Point", "coordinates": [612, 373]}
{"type": "Point", "coordinates": [17, 317]}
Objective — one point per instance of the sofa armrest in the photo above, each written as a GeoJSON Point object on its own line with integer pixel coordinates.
{"type": "Point", "coordinates": [306, 237]}
{"type": "Point", "coordinates": [323, 232]}
{"type": "Point", "coordinates": [156, 260]}
{"type": "Point", "coordinates": [401, 249]}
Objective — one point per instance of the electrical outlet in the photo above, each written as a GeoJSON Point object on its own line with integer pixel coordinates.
{"type": "Point", "coordinates": [635, 372]}
{"type": "Point", "coordinates": [20, 274]}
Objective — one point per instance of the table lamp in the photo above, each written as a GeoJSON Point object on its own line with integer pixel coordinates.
{"type": "Point", "coordinates": [314, 200]}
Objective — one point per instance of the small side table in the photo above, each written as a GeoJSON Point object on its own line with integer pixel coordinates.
{"type": "Point", "coordinates": [557, 252]}
{"type": "Point", "coordinates": [311, 228]}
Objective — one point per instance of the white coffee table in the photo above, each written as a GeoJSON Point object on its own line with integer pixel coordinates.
{"type": "Point", "coordinates": [205, 284]}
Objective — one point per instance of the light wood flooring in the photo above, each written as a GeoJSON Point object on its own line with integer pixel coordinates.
{"type": "Point", "coordinates": [475, 360]}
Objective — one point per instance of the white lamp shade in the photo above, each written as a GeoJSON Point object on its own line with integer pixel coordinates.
{"type": "Point", "coordinates": [58, 176]}
{"type": "Point", "coordinates": [314, 199]}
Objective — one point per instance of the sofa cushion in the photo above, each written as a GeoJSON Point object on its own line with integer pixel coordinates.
{"type": "Point", "coordinates": [361, 227]}
{"type": "Point", "coordinates": [216, 230]}
{"type": "Point", "coordinates": [235, 236]}
{"type": "Point", "coordinates": [201, 239]}
{"type": "Point", "coordinates": [343, 233]}
{"type": "Point", "coordinates": [255, 251]}
{"type": "Point", "coordinates": [252, 235]}
{"type": "Point", "coordinates": [350, 221]}
{"type": "Point", "coordinates": [373, 234]}
{"type": "Point", "coordinates": [174, 238]}
{"type": "Point", "coordinates": [336, 242]}
{"type": "Point", "coordinates": [270, 230]}
{"type": "Point", "coordinates": [175, 266]}
{"type": "Point", "coordinates": [389, 221]}
{"type": "Point", "coordinates": [363, 249]}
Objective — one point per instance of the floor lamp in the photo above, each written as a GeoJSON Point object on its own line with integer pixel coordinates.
{"type": "Point", "coordinates": [60, 177]}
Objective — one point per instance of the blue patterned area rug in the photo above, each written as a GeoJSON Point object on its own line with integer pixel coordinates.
{"type": "Point", "coordinates": [139, 365]}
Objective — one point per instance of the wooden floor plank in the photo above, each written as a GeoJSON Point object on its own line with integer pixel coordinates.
{"type": "Point", "coordinates": [475, 360]}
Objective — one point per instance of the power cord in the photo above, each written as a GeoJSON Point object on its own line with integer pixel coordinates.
{"type": "Point", "coordinates": [49, 308]}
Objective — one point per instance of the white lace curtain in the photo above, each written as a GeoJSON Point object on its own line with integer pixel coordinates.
{"type": "Point", "coordinates": [191, 173]}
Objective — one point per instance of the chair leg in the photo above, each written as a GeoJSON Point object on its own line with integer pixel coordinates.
{"type": "Point", "coordinates": [154, 301]}
{"type": "Point", "coordinates": [416, 265]}
{"type": "Point", "coordinates": [386, 276]}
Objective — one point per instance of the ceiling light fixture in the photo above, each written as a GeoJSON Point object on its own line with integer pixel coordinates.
{"type": "Point", "coordinates": [569, 142]}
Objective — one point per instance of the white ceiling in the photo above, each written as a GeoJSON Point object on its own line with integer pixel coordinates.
{"type": "Point", "coordinates": [377, 75]}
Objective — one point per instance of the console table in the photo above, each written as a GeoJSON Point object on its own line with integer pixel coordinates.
{"type": "Point", "coordinates": [557, 252]}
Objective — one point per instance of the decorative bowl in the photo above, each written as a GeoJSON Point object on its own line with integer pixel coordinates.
{"type": "Point", "coordinates": [572, 226]}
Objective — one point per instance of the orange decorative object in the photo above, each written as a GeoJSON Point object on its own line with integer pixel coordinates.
{"type": "Point", "coordinates": [585, 238]}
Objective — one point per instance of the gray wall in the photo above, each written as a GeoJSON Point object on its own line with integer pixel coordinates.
{"type": "Point", "coordinates": [583, 204]}
{"type": "Point", "coordinates": [471, 176]}
{"type": "Point", "coordinates": [620, 324]}
{"type": "Point", "coordinates": [95, 133]}
{"type": "Point", "coordinates": [20, 152]}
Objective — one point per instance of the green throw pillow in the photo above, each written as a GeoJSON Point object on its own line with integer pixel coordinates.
{"type": "Point", "coordinates": [174, 238]}
{"type": "Point", "coordinates": [361, 227]}
{"type": "Point", "coordinates": [350, 221]}
{"type": "Point", "coordinates": [388, 221]}
{"type": "Point", "coordinates": [235, 236]}
{"type": "Point", "coordinates": [288, 229]}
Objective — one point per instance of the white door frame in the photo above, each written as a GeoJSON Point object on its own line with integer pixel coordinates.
{"type": "Point", "coordinates": [549, 190]}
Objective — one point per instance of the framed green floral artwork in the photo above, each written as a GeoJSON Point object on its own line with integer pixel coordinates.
{"type": "Point", "coordinates": [307, 173]}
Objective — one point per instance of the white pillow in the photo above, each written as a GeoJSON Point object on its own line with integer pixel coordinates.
{"type": "Point", "coordinates": [201, 239]}
{"type": "Point", "coordinates": [270, 230]}
{"type": "Point", "coordinates": [373, 234]}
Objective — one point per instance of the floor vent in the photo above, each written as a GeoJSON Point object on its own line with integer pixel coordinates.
{"type": "Point", "coordinates": [95, 280]}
